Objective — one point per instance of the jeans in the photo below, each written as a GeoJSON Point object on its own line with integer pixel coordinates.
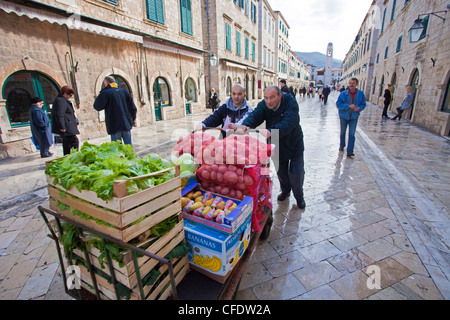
{"type": "Point", "coordinates": [351, 133]}
{"type": "Point", "coordinates": [125, 135]}
{"type": "Point", "coordinates": [291, 174]}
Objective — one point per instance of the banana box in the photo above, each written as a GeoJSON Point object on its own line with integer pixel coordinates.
{"type": "Point", "coordinates": [214, 253]}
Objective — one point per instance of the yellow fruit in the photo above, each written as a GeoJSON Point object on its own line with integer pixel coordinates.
{"type": "Point", "coordinates": [209, 203]}
{"type": "Point", "coordinates": [195, 206]}
{"type": "Point", "coordinates": [197, 194]}
{"type": "Point", "coordinates": [184, 201]}
{"type": "Point", "coordinates": [198, 199]}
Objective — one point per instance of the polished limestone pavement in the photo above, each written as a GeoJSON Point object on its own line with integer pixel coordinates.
{"type": "Point", "coordinates": [375, 226]}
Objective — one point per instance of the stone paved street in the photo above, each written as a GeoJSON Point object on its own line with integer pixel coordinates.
{"type": "Point", "coordinates": [386, 212]}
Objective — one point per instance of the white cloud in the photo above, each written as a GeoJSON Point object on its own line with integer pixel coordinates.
{"type": "Point", "coordinates": [314, 23]}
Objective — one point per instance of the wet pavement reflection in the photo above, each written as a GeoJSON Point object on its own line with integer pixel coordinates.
{"type": "Point", "coordinates": [375, 226]}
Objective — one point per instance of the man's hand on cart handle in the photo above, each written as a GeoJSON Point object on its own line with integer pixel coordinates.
{"type": "Point", "coordinates": [242, 129]}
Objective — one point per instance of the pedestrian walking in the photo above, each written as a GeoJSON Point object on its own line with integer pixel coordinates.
{"type": "Point", "coordinates": [283, 86]}
{"type": "Point", "coordinates": [40, 127]}
{"type": "Point", "coordinates": [406, 103]}
{"type": "Point", "coordinates": [231, 114]}
{"type": "Point", "coordinates": [388, 95]}
{"type": "Point", "coordinates": [214, 99]}
{"type": "Point", "coordinates": [320, 92]}
{"type": "Point", "coordinates": [64, 121]}
{"type": "Point", "coordinates": [326, 92]}
{"type": "Point", "coordinates": [350, 104]}
{"type": "Point", "coordinates": [120, 110]}
{"type": "Point", "coordinates": [291, 91]}
{"type": "Point", "coordinates": [280, 112]}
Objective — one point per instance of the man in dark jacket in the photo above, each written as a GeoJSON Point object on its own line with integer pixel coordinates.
{"type": "Point", "coordinates": [40, 127]}
{"type": "Point", "coordinates": [64, 121]}
{"type": "Point", "coordinates": [281, 113]}
{"type": "Point", "coordinates": [387, 101]}
{"type": "Point", "coordinates": [231, 114]}
{"type": "Point", "coordinates": [120, 110]}
{"type": "Point", "coordinates": [326, 92]}
{"type": "Point", "coordinates": [284, 88]}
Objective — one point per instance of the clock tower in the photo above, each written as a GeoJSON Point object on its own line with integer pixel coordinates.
{"type": "Point", "coordinates": [329, 65]}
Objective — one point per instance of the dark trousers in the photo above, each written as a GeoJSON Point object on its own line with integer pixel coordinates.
{"type": "Point", "coordinates": [399, 114]}
{"type": "Point", "coordinates": [291, 174]}
{"type": "Point", "coordinates": [325, 98]}
{"type": "Point", "coordinates": [386, 105]}
{"type": "Point", "coordinates": [69, 142]}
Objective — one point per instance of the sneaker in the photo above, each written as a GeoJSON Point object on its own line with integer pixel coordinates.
{"type": "Point", "coordinates": [283, 196]}
{"type": "Point", "coordinates": [301, 203]}
{"type": "Point", "coordinates": [341, 149]}
{"type": "Point", "coordinates": [350, 155]}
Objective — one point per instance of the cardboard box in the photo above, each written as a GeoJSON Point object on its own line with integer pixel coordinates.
{"type": "Point", "coordinates": [232, 221]}
{"type": "Point", "coordinates": [214, 253]}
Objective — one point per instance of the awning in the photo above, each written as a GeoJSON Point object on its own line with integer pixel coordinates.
{"type": "Point", "coordinates": [235, 65]}
{"type": "Point", "coordinates": [72, 22]}
{"type": "Point", "coordinates": [165, 48]}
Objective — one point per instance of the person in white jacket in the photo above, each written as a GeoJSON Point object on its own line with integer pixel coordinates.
{"type": "Point", "coordinates": [406, 103]}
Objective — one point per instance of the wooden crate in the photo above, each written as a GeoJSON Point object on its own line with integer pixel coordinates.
{"type": "Point", "coordinates": [126, 274]}
{"type": "Point", "coordinates": [123, 217]}
{"type": "Point", "coordinates": [157, 291]}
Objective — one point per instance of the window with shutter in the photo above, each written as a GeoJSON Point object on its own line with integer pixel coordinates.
{"type": "Point", "coordinates": [114, 2]}
{"type": "Point", "coordinates": [155, 10]}
{"type": "Point", "coordinates": [253, 52]}
{"type": "Point", "coordinates": [247, 48]}
{"type": "Point", "coordinates": [186, 16]}
{"type": "Point", "coordinates": [238, 42]}
{"type": "Point", "coordinates": [228, 36]}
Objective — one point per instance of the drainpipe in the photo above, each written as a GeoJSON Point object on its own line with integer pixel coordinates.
{"type": "Point", "coordinates": [73, 70]}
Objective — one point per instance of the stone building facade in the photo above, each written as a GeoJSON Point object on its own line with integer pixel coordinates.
{"type": "Point", "coordinates": [232, 36]}
{"type": "Point", "coordinates": [424, 65]}
{"type": "Point", "coordinates": [267, 47]}
{"type": "Point", "coordinates": [48, 44]}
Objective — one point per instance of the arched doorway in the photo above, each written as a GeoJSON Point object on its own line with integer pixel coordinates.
{"type": "Point", "coordinates": [414, 83]}
{"type": "Point", "coordinates": [161, 96]}
{"type": "Point", "coordinates": [229, 86]}
{"type": "Point", "coordinates": [190, 93]}
{"type": "Point", "coordinates": [18, 90]}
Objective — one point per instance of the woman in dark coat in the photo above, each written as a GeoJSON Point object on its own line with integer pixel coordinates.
{"type": "Point", "coordinates": [214, 100]}
{"type": "Point", "coordinates": [40, 127]}
{"type": "Point", "coordinates": [64, 121]}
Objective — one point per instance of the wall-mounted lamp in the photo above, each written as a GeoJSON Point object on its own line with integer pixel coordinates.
{"type": "Point", "coordinates": [419, 28]}
{"type": "Point", "coordinates": [213, 59]}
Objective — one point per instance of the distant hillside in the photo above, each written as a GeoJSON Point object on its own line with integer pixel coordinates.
{"type": "Point", "coordinates": [317, 59]}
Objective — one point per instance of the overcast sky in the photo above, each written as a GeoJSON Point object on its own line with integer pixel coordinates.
{"type": "Point", "coordinates": [315, 23]}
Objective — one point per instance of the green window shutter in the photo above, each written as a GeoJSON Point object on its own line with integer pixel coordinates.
{"type": "Point", "coordinates": [155, 10]}
{"type": "Point", "coordinates": [253, 52]}
{"type": "Point", "coordinates": [238, 42]}
{"type": "Point", "coordinates": [247, 48]}
{"type": "Point", "coordinates": [186, 16]}
{"type": "Point", "coordinates": [228, 36]}
{"type": "Point", "coordinates": [114, 2]}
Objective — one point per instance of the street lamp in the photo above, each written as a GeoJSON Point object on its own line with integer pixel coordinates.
{"type": "Point", "coordinates": [213, 59]}
{"type": "Point", "coordinates": [416, 31]}
{"type": "Point", "coordinates": [419, 26]}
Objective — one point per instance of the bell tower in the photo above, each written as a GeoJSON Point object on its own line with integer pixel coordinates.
{"type": "Point", "coordinates": [329, 65]}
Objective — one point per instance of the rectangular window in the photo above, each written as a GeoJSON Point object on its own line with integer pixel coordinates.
{"type": "Point", "coordinates": [384, 19]}
{"type": "Point", "coordinates": [228, 36]}
{"type": "Point", "coordinates": [155, 10]}
{"type": "Point", "coordinates": [114, 2]}
{"type": "Point", "coordinates": [253, 51]}
{"type": "Point", "coordinates": [399, 44]}
{"type": "Point", "coordinates": [186, 16]}
{"type": "Point", "coordinates": [238, 42]}
{"type": "Point", "coordinates": [378, 58]}
{"type": "Point", "coordinates": [247, 48]}
{"type": "Point", "coordinates": [247, 7]}
{"type": "Point", "coordinates": [386, 53]}
{"type": "Point", "coordinates": [253, 11]}
{"type": "Point", "coordinates": [393, 10]}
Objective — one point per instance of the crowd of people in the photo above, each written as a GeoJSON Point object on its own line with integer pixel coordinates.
{"type": "Point", "coordinates": [117, 103]}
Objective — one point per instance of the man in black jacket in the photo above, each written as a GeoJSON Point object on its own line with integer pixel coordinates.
{"type": "Point", "coordinates": [284, 88]}
{"type": "Point", "coordinates": [326, 92]}
{"type": "Point", "coordinates": [64, 121]}
{"type": "Point", "coordinates": [120, 110]}
{"type": "Point", "coordinates": [281, 112]}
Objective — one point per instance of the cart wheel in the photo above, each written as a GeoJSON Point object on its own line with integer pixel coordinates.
{"type": "Point", "coordinates": [266, 231]}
